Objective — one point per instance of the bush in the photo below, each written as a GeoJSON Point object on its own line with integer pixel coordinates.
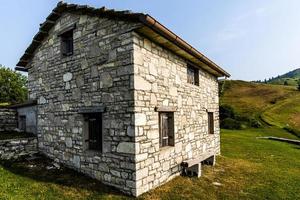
{"type": "Point", "coordinates": [254, 123]}
{"type": "Point", "coordinates": [226, 111]}
{"type": "Point", "coordinates": [229, 123]}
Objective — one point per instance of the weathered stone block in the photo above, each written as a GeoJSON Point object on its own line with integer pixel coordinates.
{"type": "Point", "coordinates": [67, 76]}
{"type": "Point", "coordinates": [126, 147]}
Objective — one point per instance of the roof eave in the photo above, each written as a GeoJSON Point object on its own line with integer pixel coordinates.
{"type": "Point", "coordinates": [168, 34]}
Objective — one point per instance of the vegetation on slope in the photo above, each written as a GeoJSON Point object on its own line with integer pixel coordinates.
{"type": "Point", "coordinates": [290, 78]}
{"type": "Point", "coordinates": [273, 104]}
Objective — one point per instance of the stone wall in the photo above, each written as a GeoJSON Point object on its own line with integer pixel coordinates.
{"type": "Point", "coordinates": [30, 113]}
{"type": "Point", "coordinates": [8, 119]}
{"type": "Point", "coordinates": [15, 148]}
{"type": "Point", "coordinates": [98, 74]}
{"type": "Point", "coordinates": [161, 80]}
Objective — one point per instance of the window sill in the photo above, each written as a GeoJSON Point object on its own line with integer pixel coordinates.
{"type": "Point", "coordinates": [93, 152]}
{"type": "Point", "coordinates": [166, 148]}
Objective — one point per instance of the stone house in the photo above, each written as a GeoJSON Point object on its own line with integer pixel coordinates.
{"type": "Point", "coordinates": [120, 97]}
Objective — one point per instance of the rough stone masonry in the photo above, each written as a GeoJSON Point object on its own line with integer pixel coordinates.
{"type": "Point", "coordinates": [127, 76]}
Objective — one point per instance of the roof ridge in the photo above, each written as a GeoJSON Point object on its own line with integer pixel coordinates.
{"type": "Point", "coordinates": [145, 19]}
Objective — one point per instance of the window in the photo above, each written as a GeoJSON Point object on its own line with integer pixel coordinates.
{"type": "Point", "coordinates": [67, 43]}
{"type": "Point", "coordinates": [166, 129]}
{"type": "Point", "coordinates": [93, 124]}
{"type": "Point", "coordinates": [211, 123]}
{"type": "Point", "coordinates": [22, 123]}
{"type": "Point", "coordinates": [192, 75]}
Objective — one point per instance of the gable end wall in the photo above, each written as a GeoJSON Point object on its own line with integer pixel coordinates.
{"type": "Point", "coordinates": [99, 73]}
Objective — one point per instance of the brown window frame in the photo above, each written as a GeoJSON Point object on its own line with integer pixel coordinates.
{"type": "Point", "coordinates": [192, 75]}
{"type": "Point", "coordinates": [211, 123]}
{"type": "Point", "coordinates": [166, 129]}
{"type": "Point", "coordinates": [67, 43]}
{"type": "Point", "coordinates": [94, 139]}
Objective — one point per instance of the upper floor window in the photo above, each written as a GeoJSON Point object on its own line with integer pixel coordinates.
{"type": "Point", "coordinates": [67, 43]}
{"type": "Point", "coordinates": [166, 129]}
{"type": "Point", "coordinates": [192, 75]}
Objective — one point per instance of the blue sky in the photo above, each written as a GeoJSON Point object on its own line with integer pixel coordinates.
{"type": "Point", "coordinates": [251, 39]}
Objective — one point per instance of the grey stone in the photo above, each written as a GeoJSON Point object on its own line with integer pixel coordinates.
{"type": "Point", "coordinates": [106, 80]}
{"type": "Point", "coordinates": [126, 147]}
{"type": "Point", "coordinates": [67, 76]}
{"type": "Point", "coordinates": [69, 142]}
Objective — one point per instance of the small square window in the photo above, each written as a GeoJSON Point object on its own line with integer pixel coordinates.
{"type": "Point", "coordinates": [192, 75]}
{"type": "Point", "coordinates": [166, 129]}
{"type": "Point", "coordinates": [211, 129]}
{"type": "Point", "coordinates": [67, 43]}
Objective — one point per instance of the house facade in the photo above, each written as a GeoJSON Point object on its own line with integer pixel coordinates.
{"type": "Point", "coordinates": [119, 97]}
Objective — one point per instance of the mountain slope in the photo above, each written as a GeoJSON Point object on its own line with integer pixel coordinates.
{"type": "Point", "coordinates": [290, 78]}
{"type": "Point", "coordinates": [275, 104]}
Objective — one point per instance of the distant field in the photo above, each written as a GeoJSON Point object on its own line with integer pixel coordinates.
{"type": "Point", "coordinates": [275, 104]}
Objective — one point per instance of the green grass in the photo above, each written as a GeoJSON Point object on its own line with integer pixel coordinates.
{"type": "Point", "coordinates": [286, 112]}
{"type": "Point", "coordinates": [6, 135]}
{"type": "Point", "coordinates": [3, 104]}
{"type": "Point", "coordinates": [249, 168]}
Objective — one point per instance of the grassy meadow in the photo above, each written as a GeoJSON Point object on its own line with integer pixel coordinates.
{"type": "Point", "coordinates": [276, 105]}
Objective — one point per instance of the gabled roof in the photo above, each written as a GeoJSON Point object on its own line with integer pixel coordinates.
{"type": "Point", "coordinates": [152, 29]}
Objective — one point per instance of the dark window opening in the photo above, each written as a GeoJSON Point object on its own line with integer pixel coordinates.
{"type": "Point", "coordinates": [94, 128]}
{"type": "Point", "coordinates": [211, 123]}
{"type": "Point", "coordinates": [67, 43]}
{"type": "Point", "coordinates": [192, 75]}
{"type": "Point", "coordinates": [166, 129]}
{"type": "Point", "coordinates": [22, 123]}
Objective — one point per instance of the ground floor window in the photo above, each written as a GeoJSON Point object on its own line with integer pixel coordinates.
{"type": "Point", "coordinates": [166, 129]}
{"type": "Point", "coordinates": [211, 123]}
{"type": "Point", "coordinates": [94, 137]}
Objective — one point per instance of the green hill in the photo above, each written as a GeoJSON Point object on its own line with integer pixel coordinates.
{"type": "Point", "coordinates": [290, 78]}
{"type": "Point", "coordinates": [274, 105]}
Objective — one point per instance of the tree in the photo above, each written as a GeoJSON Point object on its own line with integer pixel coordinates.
{"type": "Point", "coordinates": [286, 83]}
{"type": "Point", "coordinates": [298, 87]}
{"type": "Point", "coordinates": [13, 86]}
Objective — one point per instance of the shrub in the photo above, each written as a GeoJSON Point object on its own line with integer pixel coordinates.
{"type": "Point", "coordinates": [254, 123]}
{"type": "Point", "coordinates": [229, 123]}
{"type": "Point", "coordinates": [226, 111]}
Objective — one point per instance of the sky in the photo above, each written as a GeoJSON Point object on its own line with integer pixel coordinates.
{"type": "Point", "coordinates": [252, 40]}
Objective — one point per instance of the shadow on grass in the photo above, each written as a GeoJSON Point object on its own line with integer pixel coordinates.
{"type": "Point", "coordinates": [37, 170]}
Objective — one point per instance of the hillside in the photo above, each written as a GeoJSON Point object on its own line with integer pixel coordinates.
{"type": "Point", "coordinates": [290, 78]}
{"type": "Point", "coordinates": [274, 104]}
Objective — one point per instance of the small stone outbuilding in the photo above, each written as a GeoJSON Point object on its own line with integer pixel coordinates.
{"type": "Point", "coordinates": [120, 97]}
